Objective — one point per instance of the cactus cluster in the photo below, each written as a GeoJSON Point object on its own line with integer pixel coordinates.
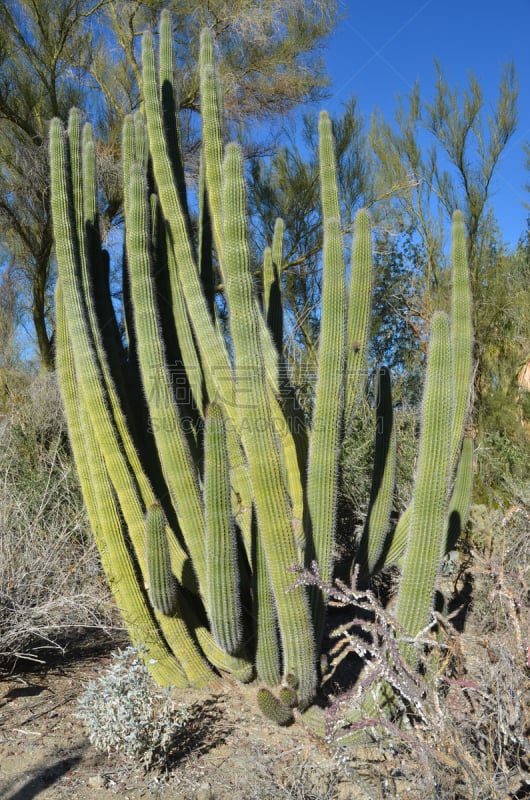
{"type": "Point", "coordinates": [204, 483]}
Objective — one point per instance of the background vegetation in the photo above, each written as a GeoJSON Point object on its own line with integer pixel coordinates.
{"type": "Point", "coordinates": [77, 52]}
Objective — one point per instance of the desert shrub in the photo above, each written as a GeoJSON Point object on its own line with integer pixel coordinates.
{"type": "Point", "coordinates": [50, 575]}
{"type": "Point", "coordinates": [502, 469]}
{"type": "Point", "coordinates": [123, 712]}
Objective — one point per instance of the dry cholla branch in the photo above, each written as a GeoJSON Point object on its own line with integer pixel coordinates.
{"type": "Point", "coordinates": [376, 637]}
{"type": "Point", "coordinates": [470, 728]}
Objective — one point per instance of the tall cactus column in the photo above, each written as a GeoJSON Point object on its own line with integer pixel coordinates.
{"type": "Point", "coordinates": [259, 439]}
{"type": "Point", "coordinates": [326, 426]}
{"type": "Point", "coordinates": [428, 521]}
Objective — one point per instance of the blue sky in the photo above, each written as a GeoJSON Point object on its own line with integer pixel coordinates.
{"type": "Point", "coordinates": [381, 48]}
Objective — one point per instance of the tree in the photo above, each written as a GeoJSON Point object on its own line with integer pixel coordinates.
{"type": "Point", "coordinates": [41, 48]}
{"type": "Point", "coordinates": [444, 154]}
{"type": "Point", "coordinates": [85, 53]}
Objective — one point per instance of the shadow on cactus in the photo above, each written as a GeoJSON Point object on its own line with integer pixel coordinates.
{"type": "Point", "coordinates": [204, 482]}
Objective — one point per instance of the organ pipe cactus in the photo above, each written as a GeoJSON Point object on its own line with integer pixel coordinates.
{"type": "Point", "coordinates": [204, 482]}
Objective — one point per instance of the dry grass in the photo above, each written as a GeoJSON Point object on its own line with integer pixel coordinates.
{"type": "Point", "coordinates": [51, 584]}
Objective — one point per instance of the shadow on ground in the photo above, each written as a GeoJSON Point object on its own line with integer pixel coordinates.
{"type": "Point", "coordinates": [39, 779]}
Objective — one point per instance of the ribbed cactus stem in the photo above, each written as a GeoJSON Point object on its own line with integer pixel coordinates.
{"type": "Point", "coordinates": [273, 708]}
{"type": "Point", "coordinates": [170, 110]}
{"type": "Point", "coordinates": [268, 665]}
{"type": "Point", "coordinates": [259, 439]}
{"type": "Point", "coordinates": [326, 426]}
{"type": "Point", "coordinates": [460, 501]}
{"type": "Point", "coordinates": [214, 358]}
{"type": "Point", "coordinates": [105, 519]}
{"type": "Point", "coordinates": [162, 582]}
{"type": "Point", "coordinates": [461, 332]}
{"type": "Point", "coordinates": [222, 572]}
{"type": "Point", "coordinates": [212, 141]}
{"type": "Point", "coordinates": [329, 189]}
{"type": "Point", "coordinates": [168, 430]}
{"type": "Point", "coordinates": [327, 421]}
{"type": "Point", "coordinates": [359, 308]}
{"type": "Point", "coordinates": [428, 521]}
{"type": "Point", "coordinates": [380, 506]}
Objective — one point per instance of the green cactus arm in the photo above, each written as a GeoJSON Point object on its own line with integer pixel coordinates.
{"type": "Point", "coordinates": [268, 279]}
{"type": "Point", "coordinates": [212, 151]}
{"type": "Point", "coordinates": [191, 361]}
{"type": "Point", "coordinates": [212, 141]}
{"type": "Point", "coordinates": [428, 520]}
{"type": "Point", "coordinates": [222, 572]}
{"type": "Point", "coordinates": [272, 289]}
{"type": "Point", "coordinates": [462, 349]}
{"type": "Point", "coordinates": [124, 468]}
{"type": "Point", "coordinates": [94, 403]}
{"type": "Point", "coordinates": [328, 410]}
{"type": "Point", "coordinates": [326, 427]}
{"type": "Point", "coordinates": [461, 331]}
{"type": "Point", "coordinates": [460, 502]}
{"type": "Point", "coordinates": [206, 266]}
{"type": "Point", "coordinates": [285, 419]}
{"type": "Point", "coordinates": [277, 244]}
{"type": "Point", "coordinates": [383, 476]}
{"type": "Point", "coordinates": [213, 353]}
{"type": "Point", "coordinates": [267, 656]}
{"type": "Point", "coordinates": [179, 469]}
{"type": "Point", "coordinates": [98, 263]}
{"type": "Point", "coordinates": [89, 348]}
{"type": "Point", "coordinates": [273, 708]}
{"type": "Point", "coordinates": [88, 172]}
{"type": "Point", "coordinates": [134, 149]}
{"type": "Point", "coordinates": [239, 666]}
{"type": "Point", "coordinates": [259, 440]}
{"type": "Point", "coordinates": [162, 583]}
{"type": "Point", "coordinates": [105, 519]}
{"type": "Point", "coordinates": [329, 188]}
{"type": "Point", "coordinates": [359, 308]}
{"type": "Point", "coordinates": [169, 107]}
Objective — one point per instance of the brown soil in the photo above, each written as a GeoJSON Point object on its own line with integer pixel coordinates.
{"type": "Point", "coordinates": [231, 752]}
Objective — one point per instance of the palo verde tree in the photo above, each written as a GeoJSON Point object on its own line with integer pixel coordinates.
{"type": "Point", "coordinates": [41, 47]}
{"type": "Point", "coordinates": [435, 157]}
{"type": "Point", "coordinates": [84, 53]}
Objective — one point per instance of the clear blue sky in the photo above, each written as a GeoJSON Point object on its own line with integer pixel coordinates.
{"type": "Point", "coordinates": [381, 48]}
